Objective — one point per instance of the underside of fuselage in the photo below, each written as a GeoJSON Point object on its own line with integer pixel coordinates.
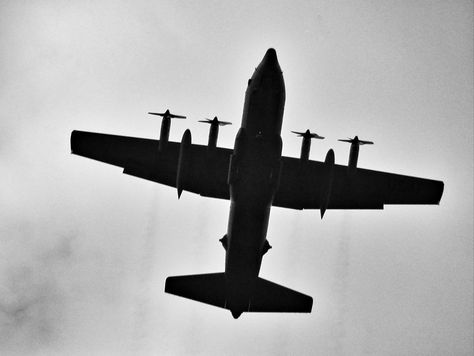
{"type": "Point", "coordinates": [255, 167]}
{"type": "Point", "coordinates": [253, 179]}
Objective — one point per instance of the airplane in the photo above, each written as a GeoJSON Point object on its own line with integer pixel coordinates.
{"type": "Point", "coordinates": [254, 176]}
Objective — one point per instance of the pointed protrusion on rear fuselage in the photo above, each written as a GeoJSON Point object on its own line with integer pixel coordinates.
{"type": "Point", "coordinates": [236, 314]}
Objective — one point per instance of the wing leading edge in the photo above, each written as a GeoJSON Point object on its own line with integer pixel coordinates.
{"type": "Point", "coordinates": [301, 183]}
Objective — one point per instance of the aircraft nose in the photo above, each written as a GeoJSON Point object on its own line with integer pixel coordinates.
{"type": "Point", "coordinates": [270, 56]}
{"type": "Point", "coordinates": [270, 61]}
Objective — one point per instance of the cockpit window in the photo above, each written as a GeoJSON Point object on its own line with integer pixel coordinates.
{"type": "Point", "coordinates": [250, 81]}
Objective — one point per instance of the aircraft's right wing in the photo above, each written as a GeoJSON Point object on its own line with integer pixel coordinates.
{"type": "Point", "coordinates": [206, 172]}
{"type": "Point", "coordinates": [302, 186]}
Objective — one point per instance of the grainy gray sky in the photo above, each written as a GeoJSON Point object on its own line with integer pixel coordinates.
{"type": "Point", "coordinates": [85, 250]}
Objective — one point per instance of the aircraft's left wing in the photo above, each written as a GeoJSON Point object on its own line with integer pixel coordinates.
{"type": "Point", "coordinates": [206, 170]}
{"type": "Point", "coordinates": [305, 185]}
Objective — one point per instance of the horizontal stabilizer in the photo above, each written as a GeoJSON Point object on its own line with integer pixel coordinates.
{"type": "Point", "coordinates": [211, 289]}
{"type": "Point", "coordinates": [205, 288]}
{"type": "Point", "coordinates": [271, 297]}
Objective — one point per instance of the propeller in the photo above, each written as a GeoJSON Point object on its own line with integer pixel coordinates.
{"type": "Point", "coordinates": [214, 130]}
{"type": "Point", "coordinates": [306, 144]}
{"type": "Point", "coordinates": [215, 121]}
{"type": "Point", "coordinates": [165, 127]}
{"type": "Point", "coordinates": [308, 134]}
{"type": "Point", "coordinates": [354, 151]}
{"type": "Point", "coordinates": [356, 141]}
{"type": "Point", "coordinates": [167, 114]}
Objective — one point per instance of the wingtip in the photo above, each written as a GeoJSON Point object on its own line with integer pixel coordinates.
{"type": "Point", "coordinates": [73, 141]}
{"type": "Point", "coordinates": [441, 191]}
{"type": "Point", "coordinates": [167, 286]}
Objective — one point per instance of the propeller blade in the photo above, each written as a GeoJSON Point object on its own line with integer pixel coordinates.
{"type": "Point", "coordinates": [356, 140]}
{"type": "Point", "coordinates": [220, 123]}
{"type": "Point", "coordinates": [307, 134]}
{"type": "Point", "coordinates": [177, 116]}
{"type": "Point", "coordinates": [167, 114]}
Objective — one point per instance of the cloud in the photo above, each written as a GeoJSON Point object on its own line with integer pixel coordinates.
{"type": "Point", "coordinates": [32, 297]}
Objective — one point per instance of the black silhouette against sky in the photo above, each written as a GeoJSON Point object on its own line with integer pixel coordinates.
{"type": "Point", "coordinates": [254, 176]}
{"type": "Point", "coordinates": [85, 249]}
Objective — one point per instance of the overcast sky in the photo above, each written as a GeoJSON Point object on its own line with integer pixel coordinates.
{"type": "Point", "coordinates": [85, 250]}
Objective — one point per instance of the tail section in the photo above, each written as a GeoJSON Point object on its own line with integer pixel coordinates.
{"type": "Point", "coordinates": [271, 297]}
{"type": "Point", "coordinates": [267, 296]}
{"type": "Point", "coordinates": [205, 288]}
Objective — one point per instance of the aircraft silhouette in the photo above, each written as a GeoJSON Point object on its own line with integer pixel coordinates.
{"type": "Point", "coordinates": [254, 176]}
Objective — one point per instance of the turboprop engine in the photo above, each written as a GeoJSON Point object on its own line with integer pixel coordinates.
{"type": "Point", "coordinates": [306, 144]}
{"type": "Point", "coordinates": [214, 130]}
{"type": "Point", "coordinates": [354, 152]}
{"type": "Point", "coordinates": [165, 127]}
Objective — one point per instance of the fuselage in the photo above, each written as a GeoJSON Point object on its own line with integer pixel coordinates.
{"type": "Point", "coordinates": [253, 179]}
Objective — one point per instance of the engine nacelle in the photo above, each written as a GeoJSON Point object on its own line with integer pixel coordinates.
{"type": "Point", "coordinates": [354, 152]}
{"type": "Point", "coordinates": [306, 144]}
{"type": "Point", "coordinates": [164, 133]}
{"type": "Point", "coordinates": [326, 186]}
{"type": "Point", "coordinates": [353, 156]}
{"type": "Point", "coordinates": [213, 134]}
{"type": "Point", "coordinates": [305, 148]}
{"type": "Point", "coordinates": [165, 127]}
{"type": "Point", "coordinates": [214, 130]}
{"type": "Point", "coordinates": [183, 162]}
